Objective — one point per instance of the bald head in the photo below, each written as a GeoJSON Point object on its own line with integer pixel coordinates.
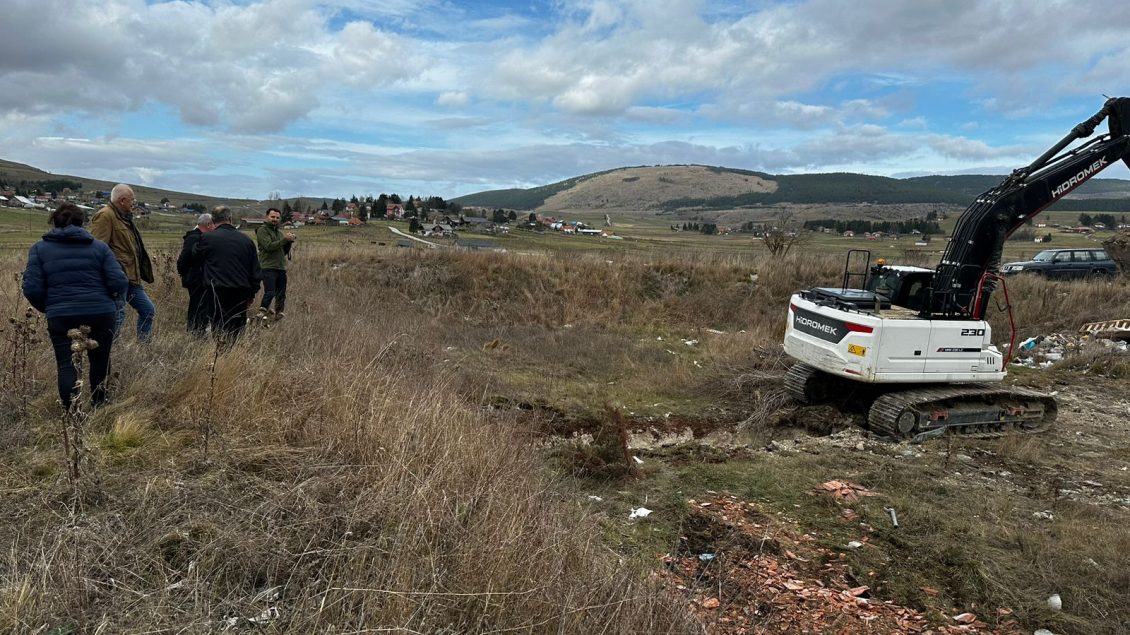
{"type": "Point", "coordinates": [122, 197]}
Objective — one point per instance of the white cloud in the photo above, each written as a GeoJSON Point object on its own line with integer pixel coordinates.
{"type": "Point", "coordinates": [453, 98]}
{"type": "Point", "coordinates": [462, 95]}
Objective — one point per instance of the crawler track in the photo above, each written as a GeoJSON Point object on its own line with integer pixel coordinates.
{"type": "Point", "coordinates": [799, 384]}
{"type": "Point", "coordinates": [922, 412]}
{"type": "Point", "coordinates": [970, 410]}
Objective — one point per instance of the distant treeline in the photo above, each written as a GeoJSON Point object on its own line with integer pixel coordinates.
{"type": "Point", "coordinates": [25, 187]}
{"type": "Point", "coordinates": [867, 226]}
{"type": "Point", "coordinates": [827, 188]}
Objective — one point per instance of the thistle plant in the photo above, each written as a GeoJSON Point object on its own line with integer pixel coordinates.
{"type": "Point", "coordinates": [75, 417]}
{"type": "Point", "coordinates": [20, 335]}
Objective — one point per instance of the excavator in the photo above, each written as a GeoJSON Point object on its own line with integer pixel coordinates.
{"type": "Point", "coordinates": [910, 346]}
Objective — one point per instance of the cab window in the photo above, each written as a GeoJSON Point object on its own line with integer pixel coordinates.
{"type": "Point", "coordinates": [1082, 256]}
{"type": "Point", "coordinates": [1063, 256]}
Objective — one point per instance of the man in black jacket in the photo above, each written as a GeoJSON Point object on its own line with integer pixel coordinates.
{"type": "Point", "coordinates": [191, 271]}
{"type": "Point", "coordinates": [231, 274]}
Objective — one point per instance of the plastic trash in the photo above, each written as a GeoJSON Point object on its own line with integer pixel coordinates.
{"type": "Point", "coordinates": [894, 517]}
{"type": "Point", "coordinates": [639, 512]}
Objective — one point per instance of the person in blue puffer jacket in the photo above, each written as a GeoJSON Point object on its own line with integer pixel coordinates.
{"type": "Point", "coordinates": [76, 280]}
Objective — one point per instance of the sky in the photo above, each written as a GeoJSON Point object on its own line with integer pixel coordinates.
{"type": "Point", "coordinates": [245, 98]}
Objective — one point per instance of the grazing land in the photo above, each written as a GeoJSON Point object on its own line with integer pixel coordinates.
{"type": "Point", "coordinates": [453, 441]}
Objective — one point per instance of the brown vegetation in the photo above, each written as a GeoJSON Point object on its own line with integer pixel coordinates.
{"type": "Point", "coordinates": [349, 488]}
{"type": "Point", "coordinates": [372, 459]}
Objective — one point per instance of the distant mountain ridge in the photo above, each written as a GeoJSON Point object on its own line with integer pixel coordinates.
{"type": "Point", "coordinates": [702, 187]}
{"type": "Point", "coordinates": [13, 173]}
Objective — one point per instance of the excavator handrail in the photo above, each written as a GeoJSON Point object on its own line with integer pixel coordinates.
{"type": "Point", "coordinates": [979, 311]}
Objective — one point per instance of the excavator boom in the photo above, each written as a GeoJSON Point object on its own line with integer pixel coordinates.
{"type": "Point", "coordinates": [978, 238]}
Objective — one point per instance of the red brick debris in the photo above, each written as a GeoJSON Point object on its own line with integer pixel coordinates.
{"type": "Point", "coordinates": [747, 572]}
{"type": "Point", "coordinates": [843, 491]}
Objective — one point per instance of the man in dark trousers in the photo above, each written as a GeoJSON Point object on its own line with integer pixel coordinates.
{"type": "Point", "coordinates": [191, 271]}
{"type": "Point", "coordinates": [231, 275]}
{"type": "Point", "coordinates": [274, 249]}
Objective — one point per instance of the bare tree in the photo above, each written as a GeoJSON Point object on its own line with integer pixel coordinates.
{"type": "Point", "coordinates": [784, 235]}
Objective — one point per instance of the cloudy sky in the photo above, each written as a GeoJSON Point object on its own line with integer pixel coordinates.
{"type": "Point", "coordinates": [442, 97]}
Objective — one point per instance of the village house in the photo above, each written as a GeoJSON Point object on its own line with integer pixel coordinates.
{"type": "Point", "coordinates": [23, 201]}
{"type": "Point", "coordinates": [438, 229]}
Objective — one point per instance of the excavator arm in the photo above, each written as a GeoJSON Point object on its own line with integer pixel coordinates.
{"type": "Point", "coordinates": [978, 238]}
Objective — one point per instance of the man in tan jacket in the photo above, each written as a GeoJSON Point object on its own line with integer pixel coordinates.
{"type": "Point", "coordinates": [114, 226]}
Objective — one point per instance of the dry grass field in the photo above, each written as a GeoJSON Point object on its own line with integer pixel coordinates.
{"type": "Point", "coordinates": [439, 441]}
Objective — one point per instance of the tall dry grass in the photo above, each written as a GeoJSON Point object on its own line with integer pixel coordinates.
{"type": "Point", "coordinates": [352, 479]}
{"type": "Point", "coordinates": [348, 488]}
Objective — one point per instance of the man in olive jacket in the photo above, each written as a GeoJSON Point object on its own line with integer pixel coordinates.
{"type": "Point", "coordinates": [274, 249]}
{"type": "Point", "coordinates": [113, 225]}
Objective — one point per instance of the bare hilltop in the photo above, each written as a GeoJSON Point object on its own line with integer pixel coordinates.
{"type": "Point", "coordinates": [648, 188]}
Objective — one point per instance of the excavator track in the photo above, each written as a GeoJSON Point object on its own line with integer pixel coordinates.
{"type": "Point", "coordinates": [968, 410]}
{"type": "Point", "coordinates": [798, 383]}
{"type": "Point", "coordinates": [974, 411]}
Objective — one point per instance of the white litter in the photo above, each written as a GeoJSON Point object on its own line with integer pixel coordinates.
{"type": "Point", "coordinates": [1055, 603]}
{"type": "Point", "coordinates": [639, 512]}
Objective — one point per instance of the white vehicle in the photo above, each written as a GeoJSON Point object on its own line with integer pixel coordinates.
{"type": "Point", "coordinates": [911, 347]}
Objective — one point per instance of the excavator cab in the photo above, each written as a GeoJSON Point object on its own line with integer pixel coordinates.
{"type": "Point", "coordinates": [904, 286]}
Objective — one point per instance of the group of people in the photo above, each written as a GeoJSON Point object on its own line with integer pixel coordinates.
{"type": "Point", "coordinates": [222, 269]}
{"type": "Point", "coordinates": [86, 278]}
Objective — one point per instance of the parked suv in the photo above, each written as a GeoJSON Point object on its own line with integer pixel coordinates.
{"type": "Point", "coordinates": [1063, 264]}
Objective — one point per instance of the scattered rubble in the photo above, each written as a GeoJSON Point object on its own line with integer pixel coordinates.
{"type": "Point", "coordinates": [769, 577]}
{"type": "Point", "coordinates": [843, 491]}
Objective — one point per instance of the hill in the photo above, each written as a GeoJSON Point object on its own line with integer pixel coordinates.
{"type": "Point", "coordinates": [670, 188]}
{"type": "Point", "coordinates": [15, 174]}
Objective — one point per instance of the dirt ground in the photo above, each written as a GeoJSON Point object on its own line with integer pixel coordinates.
{"type": "Point", "coordinates": [989, 529]}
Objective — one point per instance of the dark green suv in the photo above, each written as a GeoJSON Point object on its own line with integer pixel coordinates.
{"type": "Point", "coordinates": [1065, 264]}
